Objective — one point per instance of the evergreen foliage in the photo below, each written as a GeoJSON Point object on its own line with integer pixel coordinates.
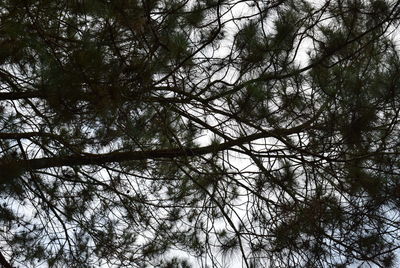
{"type": "Point", "coordinates": [171, 133]}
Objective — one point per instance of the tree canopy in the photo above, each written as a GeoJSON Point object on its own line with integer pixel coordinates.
{"type": "Point", "coordinates": [178, 133]}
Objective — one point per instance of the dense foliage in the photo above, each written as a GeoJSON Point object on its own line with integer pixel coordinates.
{"type": "Point", "coordinates": [178, 133]}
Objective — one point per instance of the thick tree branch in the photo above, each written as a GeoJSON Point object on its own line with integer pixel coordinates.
{"type": "Point", "coordinates": [26, 135]}
{"type": "Point", "coordinates": [80, 160]}
{"type": "Point", "coordinates": [20, 95]}
{"type": "Point", "coordinates": [3, 262]}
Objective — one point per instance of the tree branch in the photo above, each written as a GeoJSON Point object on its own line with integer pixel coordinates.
{"type": "Point", "coordinates": [20, 95]}
{"type": "Point", "coordinates": [79, 160]}
{"type": "Point", "coordinates": [3, 262]}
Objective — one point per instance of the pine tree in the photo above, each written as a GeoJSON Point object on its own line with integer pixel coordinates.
{"type": "Point", "coordinates": [183, 133]}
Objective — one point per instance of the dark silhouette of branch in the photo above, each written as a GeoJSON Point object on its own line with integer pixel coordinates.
{"type": "Point", "coordinates": [4, 263]}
